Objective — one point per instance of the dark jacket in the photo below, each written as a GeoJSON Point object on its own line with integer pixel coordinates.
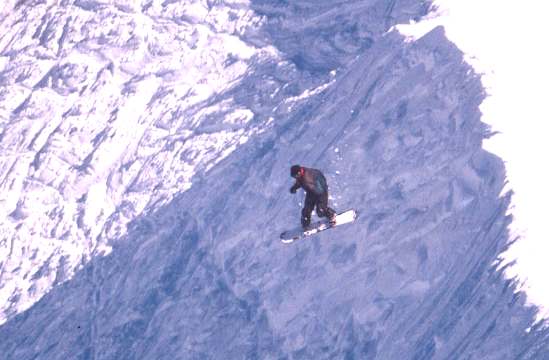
{"type": "Point", "coordinates": [312, 181]}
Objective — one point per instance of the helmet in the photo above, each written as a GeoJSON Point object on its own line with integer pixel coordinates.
{"type": "Point", "coordinates": [294, 170]}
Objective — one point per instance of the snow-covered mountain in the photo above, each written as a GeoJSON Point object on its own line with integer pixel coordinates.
{"type": "Point", "coordinates": [107, 112]}
{"type": "Point", "coordinates": [145, 155]}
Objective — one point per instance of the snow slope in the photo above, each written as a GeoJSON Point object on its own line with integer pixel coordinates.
{"type": "Point", "coordinates": [106, 114]}
{"type": "Point", "coordinates": [201, 273]}
{"type": "Point", "coordinates": [515, 78]}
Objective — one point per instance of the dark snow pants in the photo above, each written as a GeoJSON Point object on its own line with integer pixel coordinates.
{"type": "Point", "coordinates": [322, 209]}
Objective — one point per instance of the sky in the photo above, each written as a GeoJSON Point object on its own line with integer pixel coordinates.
{"type": "Point", "coordinates": [506, 42]}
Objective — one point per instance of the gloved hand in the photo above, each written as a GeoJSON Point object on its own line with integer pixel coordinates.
{"type": "Point", "coordinates": [293, 190]}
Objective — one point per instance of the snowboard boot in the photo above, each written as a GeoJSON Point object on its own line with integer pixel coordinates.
{"type": "Point", "coordinates": [305, 222]}
{"type": "Point", "coordinates": [332, 217]}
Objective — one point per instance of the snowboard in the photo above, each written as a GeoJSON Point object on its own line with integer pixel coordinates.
{"type": "Point", "coordinates": [290, 236]}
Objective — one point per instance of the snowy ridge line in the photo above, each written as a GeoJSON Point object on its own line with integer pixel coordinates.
{"type": "Point", "coordinates": [514, 80]}
{"type": "Point", "coordinates": [102, 118]}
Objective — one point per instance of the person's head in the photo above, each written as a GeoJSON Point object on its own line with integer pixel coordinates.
{"type": "Point", "coordinates": [296, 171]}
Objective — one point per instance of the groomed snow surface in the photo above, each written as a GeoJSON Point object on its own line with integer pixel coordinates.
{"type": "Point", "coordinates": [145, 150]}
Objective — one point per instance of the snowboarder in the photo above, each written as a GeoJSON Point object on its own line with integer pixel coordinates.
{"type": "Point", "coordinates": [316, 189]}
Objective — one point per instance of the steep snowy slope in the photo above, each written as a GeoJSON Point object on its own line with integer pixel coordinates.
{"type": "Point", "coordinates": [106, 113]}
{"type": "Point", "coordinates": [395, 126]}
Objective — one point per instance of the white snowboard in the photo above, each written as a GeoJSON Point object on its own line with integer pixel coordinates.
{"type": "Point", "coordinates": [290, 236]}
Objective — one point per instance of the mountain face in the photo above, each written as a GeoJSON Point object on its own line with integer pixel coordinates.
{"type": "Point", "coordinates": [108, 110]}
{"type": "Point", "coordinates": [146, 149]}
